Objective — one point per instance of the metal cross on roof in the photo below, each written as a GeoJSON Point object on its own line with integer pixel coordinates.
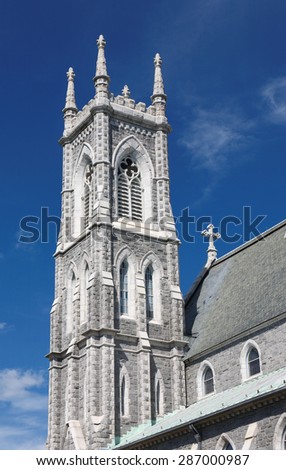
{"type": "Point", "coordinates": [212, 251]}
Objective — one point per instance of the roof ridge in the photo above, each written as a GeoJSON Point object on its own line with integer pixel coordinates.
{"type": "Point", "coordinates": [245, 245]}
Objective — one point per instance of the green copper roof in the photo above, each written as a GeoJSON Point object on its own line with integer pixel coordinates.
{"type": "Point", "coordinates": [212, 404]}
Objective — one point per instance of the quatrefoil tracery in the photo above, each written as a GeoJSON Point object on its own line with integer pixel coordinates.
{"type": "Point", "coordinates": [129, 168]}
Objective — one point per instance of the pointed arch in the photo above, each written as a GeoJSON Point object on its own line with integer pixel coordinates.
{"type": "Point", "coordinates": [123, 287]}
{"type": "Point", "coordinates": [279, 438]}
{"type": "Point", "coordinates": [159, 394]}
{"type": "Point", "coordinates": [225, 443]}
{"type": "Point", "coordinates": [82, 178]}
{"type": "Point", "coordinates": [84, 279]}
{"type": "Point", "coordinates": [133, 195]}
{"type": "Point", "coordinates": [131, 144]}
{"type": "Point", "coordinates": [250, 360]}
{"type": "Point", "coordinates": [149, 292]}
{"type": "Point", "coordinates": [152, 263]}
{"type": "Point", "coordinates": [71, 285]}
{"type": "Point", "coordinates": [125, 263]}
{"type": "Point", "coordinates": [124, 392]}
{"type": "Point", "coordinates": [205, 379]}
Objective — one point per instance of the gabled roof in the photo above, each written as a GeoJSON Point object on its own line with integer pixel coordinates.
{"type": "Point", "coordinates": [249, 391]}
{"type": "Point", "coordinates": [241, 291]}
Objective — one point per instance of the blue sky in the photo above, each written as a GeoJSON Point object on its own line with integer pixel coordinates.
{"type": "Point", "coordinates": [224, 69]}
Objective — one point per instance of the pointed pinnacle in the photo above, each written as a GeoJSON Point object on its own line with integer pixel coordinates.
{"type": "Point", "coordinates": [70, 96]}
{"type": "Point", "coordinates": [101, 69]}
{"type": "Point", "coordinates": [158, 79]}
{"type": "Point", "coordinates": [158, 90]}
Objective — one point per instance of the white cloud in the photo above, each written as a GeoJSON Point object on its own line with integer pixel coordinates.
{"type": "Point", "coordinates": [213, 136]}
{"type": "Point", "coordinates": [23, 403]}
{"type": "Point", "coordinates": [274, 94]}
{"type": "Point", "coordinates": [3, 325]}
{"type": "Point", "coordinates": [17, 389]}
{"type": "Point", "coordinates": [22, 438]}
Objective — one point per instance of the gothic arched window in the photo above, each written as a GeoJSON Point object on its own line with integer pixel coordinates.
{"type": "Point", "coordinates": [70, 299]}
{"type": "Point", "coordinates": [227, 446]}
{"type": "Point", "coordinates": [159, 394]}
{"type": "Point", "coordinates": [124, 288]}
{"type": "Point", "coordinates": [83, 293]}
{"type": "Point", "coordinates": [149, 293]}
{"type": "Point", "coordinates": [208, 381]}
{"type": "Point", "coordinates": [87, 195]}
{"type": "Point", "coordinates": [122, 396]}
{"type": "Point", "coordinates": [253, 362]}
{"type": "Point", "coordinates": [129, 190]}
{"type": "Point", "coordinates": [283, 446]}
{"type": "Point", "coordinates": [124, 387]}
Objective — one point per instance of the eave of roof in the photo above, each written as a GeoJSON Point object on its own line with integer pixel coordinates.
{"type": "Point", "coordinates": [259, 388]}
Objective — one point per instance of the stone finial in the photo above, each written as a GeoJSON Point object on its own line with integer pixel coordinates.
{"type": "Point", "coordinates": [101, 79]}
{"type": "Point", "coordinates": [158, 98]}
{"type": "Point", "coordinates": [70, 109]}
{"type": "Point", "coordinates": [212, 251]}
{"type": "Point", "coordinates": [70, 97]}
{"type": "Point", "coordinates": [126, 91]}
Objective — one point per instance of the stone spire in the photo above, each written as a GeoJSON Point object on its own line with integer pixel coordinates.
{"type": "Point", "coordinates": [212, 251]}
{"type": "Point", "coordinates": [70, 109]}
{"type": "Point", "coordinates": [101, 79]}
{"type": "Point", "coordinates": [159, 98]}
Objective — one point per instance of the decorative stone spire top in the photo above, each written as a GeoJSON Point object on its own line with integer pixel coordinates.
{"type": "Point", "coordinates": [101, 78]}
{"type": "Point", "coordinates": [70, 109]}
{"type": "Point", "coordinates": [70, 98]}
{"type": "Point", "coordinates": [212, 251]}
{"type": "Point", "coordinates": [158, 98]}
{"type": "Point", "coordinates": [126, 91]}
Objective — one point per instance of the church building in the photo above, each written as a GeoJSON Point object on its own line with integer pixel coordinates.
{"type": "Point", "coordinates": [133, 365]}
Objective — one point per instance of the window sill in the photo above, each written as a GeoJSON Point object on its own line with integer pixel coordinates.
{"type": "Point", "coordinates": [153, 322]}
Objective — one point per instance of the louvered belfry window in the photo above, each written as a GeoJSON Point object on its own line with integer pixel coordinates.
{"type": "Point", "coordinates": [129, 190]}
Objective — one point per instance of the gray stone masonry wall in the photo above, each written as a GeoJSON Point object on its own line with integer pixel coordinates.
{"type": "Point", "coordinates": [235, 429]}
{"type": "Point", "coordinates": [90, 354]}
{"type": "Point", "coordinates": [226, 361]}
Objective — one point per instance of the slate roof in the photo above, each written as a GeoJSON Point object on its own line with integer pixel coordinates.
{"type": "Point", "coordinates": [244, 393]}
{"type": "Point", "coordinates": [241, 290]}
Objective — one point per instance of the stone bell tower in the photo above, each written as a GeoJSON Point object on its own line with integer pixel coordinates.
{"type": "Point", "coordinates": [117, 319]}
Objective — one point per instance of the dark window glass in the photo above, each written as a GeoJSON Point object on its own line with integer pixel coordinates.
{"type": "Point", "coordinates": [208, 381]}
{"type": "Point", "coordinates": [158, 391]}
{"type": "Point", "coordinates": [227, 446]}
{"type": "Point", "coordinates": [124, 288]}
{"type": "Point", "coordinates": [122, 396]}
{"type": "Point", "coordinates": [149, 292]}
{"type": "Point", "coordinates": [253, 362]}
